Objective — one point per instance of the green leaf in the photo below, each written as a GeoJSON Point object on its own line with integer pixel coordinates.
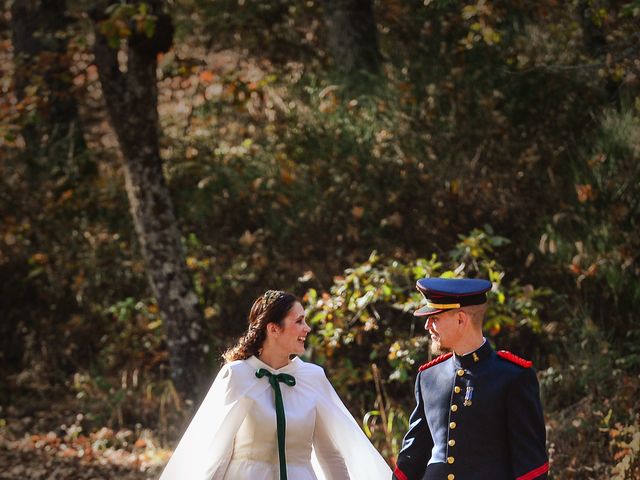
{"type": "Point", "coordinates": [149, 26]}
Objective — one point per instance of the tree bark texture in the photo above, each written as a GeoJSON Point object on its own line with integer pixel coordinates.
{"type": "Point", "coordinates": [42, 64]}
{"type": "Point", "coordinates": [352, 35]}
{"type": "Point", "coordinates": [131, 100]}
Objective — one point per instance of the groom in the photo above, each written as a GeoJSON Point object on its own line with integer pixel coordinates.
{"type": "Point", "coordinates": [478, 414]}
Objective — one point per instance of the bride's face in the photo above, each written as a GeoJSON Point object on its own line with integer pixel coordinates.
{"type": "Point", "coordinates": [293, 331]}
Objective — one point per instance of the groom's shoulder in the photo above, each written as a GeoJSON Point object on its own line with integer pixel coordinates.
{"type": "Point", "coordinates": [435, 361]}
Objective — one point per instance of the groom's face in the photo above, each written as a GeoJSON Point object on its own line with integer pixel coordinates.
{"type": "Point", "coordinates": [444, 331]}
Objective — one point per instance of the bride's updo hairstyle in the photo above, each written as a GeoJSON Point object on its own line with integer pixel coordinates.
{"type": "Point", "coordinates": [271, 307]}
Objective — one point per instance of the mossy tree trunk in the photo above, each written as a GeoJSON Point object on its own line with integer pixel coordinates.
{"type": "Point", "coordinates": [131, 99]}
{"type": "Point", "coordinates": [352, 36]}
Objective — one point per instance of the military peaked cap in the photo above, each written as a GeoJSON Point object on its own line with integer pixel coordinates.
{"type": "Point", "coordinates": [444, 294]}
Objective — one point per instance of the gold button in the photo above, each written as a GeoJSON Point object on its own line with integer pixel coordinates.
{"type": "Point", "coordinates": [460, 372]}
{"type": "Point", "coordinates": [454, 408]}
{"type": "Point", "coordinates": [452, 425]}
{"type": "Point", "coordinates": [451, 476]}
{"type": "Point", "coordinates": [452, 442]}
{"type": "Point", "coordinates": [450, 459]}
{"type": "Point", "coordinates": [457, 389]}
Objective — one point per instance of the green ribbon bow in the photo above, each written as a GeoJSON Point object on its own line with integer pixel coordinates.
{"type": "Point", "coordinates": [275, 380]}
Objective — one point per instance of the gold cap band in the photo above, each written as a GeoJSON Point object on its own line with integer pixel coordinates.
{"type": "Point", "coordinates": [443, 305]}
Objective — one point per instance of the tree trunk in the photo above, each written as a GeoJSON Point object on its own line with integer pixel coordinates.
{"type": "Point", "coordinates": [131, 100]}
{"type": "Point", "coordinates": [352, 36]}
{"type": "Point", "coordinates": [595, 45]}
{"type": "Point", "coordinates": [42, 63]}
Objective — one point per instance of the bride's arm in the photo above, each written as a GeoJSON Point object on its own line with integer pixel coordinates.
{"type": "Point", "coordinates": [205, 449]}
{"type": "Point", "coordinates": [347, 451]}
{"type": "Point", "coordinates": [329, 456]}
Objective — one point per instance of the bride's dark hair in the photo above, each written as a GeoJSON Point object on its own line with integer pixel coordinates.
{"type": "Point", "coordinates": [271, 307]}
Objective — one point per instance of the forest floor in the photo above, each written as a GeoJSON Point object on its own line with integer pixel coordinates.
{"type": "Point", "coordinates": [28, 459]}
{"type": "Point", "coordinates": [39, 465]}
{"type": "Point", "coordinates": [54, 443]}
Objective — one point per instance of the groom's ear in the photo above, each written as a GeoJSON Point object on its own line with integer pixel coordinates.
{"type": "Point", "coordinates": [463, 318]}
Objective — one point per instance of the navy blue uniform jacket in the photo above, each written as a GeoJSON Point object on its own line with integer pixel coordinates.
{"type": "Point", "coordinates": [478, 417]}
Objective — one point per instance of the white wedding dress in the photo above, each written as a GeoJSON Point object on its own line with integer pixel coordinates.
{"type": "Point", "coordinates": [233, 435]}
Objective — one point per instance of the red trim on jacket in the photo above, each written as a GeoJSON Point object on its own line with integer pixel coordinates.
{"type": "Point", "coordinates": [514, 358]}
{"type": "Point", "coordinates": [435, 361]}
{"type": "Point", "coordinates": [400, 474]}
{"type": "Point", "coordinates": [535, 473]}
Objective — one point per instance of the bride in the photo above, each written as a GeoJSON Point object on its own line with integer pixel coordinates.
{"type": "Point", "coordinates": [267, 417]}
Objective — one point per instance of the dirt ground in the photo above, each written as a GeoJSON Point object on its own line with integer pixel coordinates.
{"type": "Point", "coordinates": [39, 465]}
{"type": "Point", "coordinates": [56, 443]}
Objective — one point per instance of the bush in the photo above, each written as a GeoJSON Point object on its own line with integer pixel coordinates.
{"type": "Point", "coordinates": [365, 330]}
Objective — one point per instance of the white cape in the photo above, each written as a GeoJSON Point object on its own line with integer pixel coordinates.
{"type": "Point", "coordinates": [206, 448]}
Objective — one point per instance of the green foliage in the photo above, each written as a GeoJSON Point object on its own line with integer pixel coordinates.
{"type": "Point", "coordinates": [381, 425]}
{"type": "Point", "coordinates": [522, 115]}
{"type": "Point", "coordinates": [135, 327]}
{"type": "Point", "coordinates": [280, 29]}
{"type": "Point", "coordinates": [366, 316]}
{"type": "Point", "coordinates": [125, 19]}
{"type": "Point", "coordinates": [594, 237]}
{"type": "Point", "coordinates": [599, 426]}
{"type": "Point", "coordinates": [128, 399]}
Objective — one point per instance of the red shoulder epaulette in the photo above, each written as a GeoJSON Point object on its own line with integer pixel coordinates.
{"type": "Point", "coordinates": [435, 361]}
{"type": "Point", "coordinates": [514, 359]}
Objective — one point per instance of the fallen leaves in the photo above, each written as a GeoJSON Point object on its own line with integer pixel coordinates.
{"type": "Point", "coordinates": [104, 447]}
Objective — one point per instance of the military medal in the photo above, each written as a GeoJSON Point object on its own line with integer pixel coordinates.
{"type": "Point", "coordinates": [467, 397]}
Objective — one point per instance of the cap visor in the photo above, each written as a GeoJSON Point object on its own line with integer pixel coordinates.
{"type": "Point", "coordinates": [426, 311]}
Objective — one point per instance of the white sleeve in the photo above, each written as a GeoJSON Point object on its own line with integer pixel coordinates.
{"type": "Point", "coordinates": [206, 446]}
{"type": "Point", "coordinates": [345, 436]}
{"type": "Point", "coordinates": [328, 455]}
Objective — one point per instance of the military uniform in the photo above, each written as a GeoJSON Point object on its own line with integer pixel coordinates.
{"type": "Point", "coordinates": [477, 417]}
